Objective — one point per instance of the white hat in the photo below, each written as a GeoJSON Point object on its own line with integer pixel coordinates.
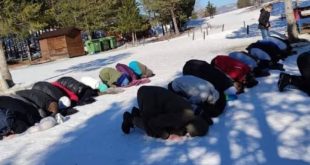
{"type": "Point", "coordinates": [89, 81]}
{"type": "Point", "coordinates": [64, 102]}
{"type": "Point", "coordinates": [47, 123]}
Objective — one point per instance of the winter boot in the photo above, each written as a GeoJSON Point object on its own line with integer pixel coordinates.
{"type": "Point", "coordinates": [135, 112]}
{"type": "Point", "coordinates": [127, 122]}
{"type": "Point", "coordinates": [284, 80]}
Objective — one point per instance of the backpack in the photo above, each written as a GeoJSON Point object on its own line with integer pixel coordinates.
{"type": "Point", "coordinates": [126, 70]}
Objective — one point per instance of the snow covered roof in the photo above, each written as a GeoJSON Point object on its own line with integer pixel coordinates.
{"type": "Point", "coordinates": [70, 32]}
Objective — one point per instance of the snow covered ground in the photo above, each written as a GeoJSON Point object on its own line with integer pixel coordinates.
{"type": "Point", "coordinates": [262, 127]}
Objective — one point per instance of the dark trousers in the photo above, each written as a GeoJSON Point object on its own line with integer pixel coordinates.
{"type": "Point", "coordinates": [303, 82]}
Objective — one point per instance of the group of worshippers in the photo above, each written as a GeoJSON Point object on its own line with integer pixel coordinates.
{"type": "Point", "coordinates": [47, 103]}
{"type": "Point", "coordinates": [185, 108]}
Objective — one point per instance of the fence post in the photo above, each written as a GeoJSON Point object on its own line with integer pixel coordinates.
{"type": "Point", "coordinates": [193, 35]}
{"type": "Point", "coordinates": [223, 27]}
{"type": "Point", "coordinates": [188, 33]}
{"type": "Point", "coordinates": [143, 41]}
{"type": "Point", "coordinates": [207, 29]}
{"type": "Point", "coordinates": [244, 24]}
{"type": "Point", "coordinates": [248, 30]}
{"type": "Point", "coordinates": [204, 35]}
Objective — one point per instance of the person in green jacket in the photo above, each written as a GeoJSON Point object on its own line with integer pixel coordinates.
{"type": "Point", "coordinates": [113, 78]}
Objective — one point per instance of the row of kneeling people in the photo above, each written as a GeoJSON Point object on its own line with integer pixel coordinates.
{"type": "Point", "coordinates": [188, 104]}
{"type": "Point", "coordinates": [46, 103]}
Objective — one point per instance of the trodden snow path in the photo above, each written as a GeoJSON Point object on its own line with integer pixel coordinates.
{"type": "Point", "coordinates": [262, 127]}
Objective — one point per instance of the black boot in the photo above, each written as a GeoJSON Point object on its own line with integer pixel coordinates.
{"type": "Point", "coordinates": [135, 112]}
{"type": "Point", "coordinates": [284, 80]}
{"type": "Point", "coordinates": [127, 122]}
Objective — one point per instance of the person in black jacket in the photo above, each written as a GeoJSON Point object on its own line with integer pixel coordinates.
{"type": "Point", "coordinates": [46, 105]}
{"type": "Point", "coordinates": [268, 54]}
{"type": "Point", "coordinates": [84, 92]}
{"type": "Point", "coordinates": [163, 114]}
{"type": "Point", "coordinates": [59, 96]}
{"type": "Point", "coordinates": [16, 116]}
{"type": "Point", "coordinates": [301, 82]}
{"type": "Point", "coordinates": [49, 89]}
{"type": "Point", "coordinates": [263, 21]}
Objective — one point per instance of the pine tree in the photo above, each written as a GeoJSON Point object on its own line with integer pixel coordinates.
{"type": "Point", "coordinates": [89, 15]}
{"type": "Point", "coordinates": [129, 19]}
{"type": "Point", "coordinates": [18, 18]}
{"type": "Point", "coordinates": [164, 8]}
{"type": "Point", "coordinates": [243, 3]}
{"type": "Point", "coordinates": [210, 10]}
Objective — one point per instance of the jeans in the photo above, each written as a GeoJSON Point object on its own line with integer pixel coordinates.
{"type": "Point", "coordinates": [265, 33]}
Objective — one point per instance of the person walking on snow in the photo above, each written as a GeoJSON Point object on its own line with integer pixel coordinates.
{"type": "Point", "coordinates": [263, 21]}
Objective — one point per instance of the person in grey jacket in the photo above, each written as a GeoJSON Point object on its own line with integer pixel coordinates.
{"type": "Point", "coordinates": [208, 102]}
{"type": "Point", "coordinates": [258, 68]}
{"type": "Point", "coordinates": [195, 89]}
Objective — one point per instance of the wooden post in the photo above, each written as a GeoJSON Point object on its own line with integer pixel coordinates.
{"type": "Point", "coordinates": [201, 29]}
{"type": "Point", "coordinates": [223, 27]}
{"type": "Point", "coordinates": [248, 30]}
{"type": "Point", "coordinates": [204, 35]}
{"type": "Point", "coordinates": [143, 41]}
{"type": "Point", "coordinates": [193, 35]}
{"type": "Point", "coordinates": [188, 33]}
{"type": "Point", "coordinates": [244, 24]}
{"type": "Point", "coordinates": [207, 29]}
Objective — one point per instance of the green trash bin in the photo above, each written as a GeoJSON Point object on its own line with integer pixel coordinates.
{"type": "Point", "coordinates": [90, 47]}
{"type": "Point", "coordinates": [93, 46]}
{"type": "Point", "coordinates": [105, 44]}
{"type": "Point", "coordinates": [97, 45]}
{"type": "Point", "coordinates": [113, 43]}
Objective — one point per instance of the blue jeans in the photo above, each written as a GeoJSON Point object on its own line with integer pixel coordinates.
{"type": "Point", "coordinates": [265, 33]}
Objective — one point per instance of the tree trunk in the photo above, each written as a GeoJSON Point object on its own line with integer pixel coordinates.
{"type": "Point", "coordinates": [291, 22]}
{"type": "Point", "coordinates": [136, 39]}
{"type": "Point", "coordinates": [28, 52]}
{"type": "Point", "coordinates": [174, 20]}
{"type": "Point", "coordinates": [3, 85]}
{"type": "Point", "coordinates": [133, 38]}
{"type": "Point", "coordinates": [162, 26]}
{"type": "Point", "coordinates": [5, 75]}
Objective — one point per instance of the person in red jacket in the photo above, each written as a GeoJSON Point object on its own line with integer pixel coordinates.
{"type": "Point", "coordinates": [235, 69]}
{"type": "Point", "coordinates": [72, 96]}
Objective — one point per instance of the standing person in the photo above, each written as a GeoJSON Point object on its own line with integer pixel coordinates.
{"type": "Point", "coordinates": [263, 20]}
{"type": "Point", "coordinates": [301, 82]}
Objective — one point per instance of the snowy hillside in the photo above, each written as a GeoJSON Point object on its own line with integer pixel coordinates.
{"type": "Point", "coordinates": [262, 127]}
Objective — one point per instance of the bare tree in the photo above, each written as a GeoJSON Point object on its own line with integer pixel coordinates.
{"type": "Point", "coordinates": [291, 22]}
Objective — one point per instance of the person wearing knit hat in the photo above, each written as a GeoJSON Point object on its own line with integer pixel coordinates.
{"type": "Point", "coordinates": [64, 102]}
{"type": "Point", "coordinates": [163, 114]}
